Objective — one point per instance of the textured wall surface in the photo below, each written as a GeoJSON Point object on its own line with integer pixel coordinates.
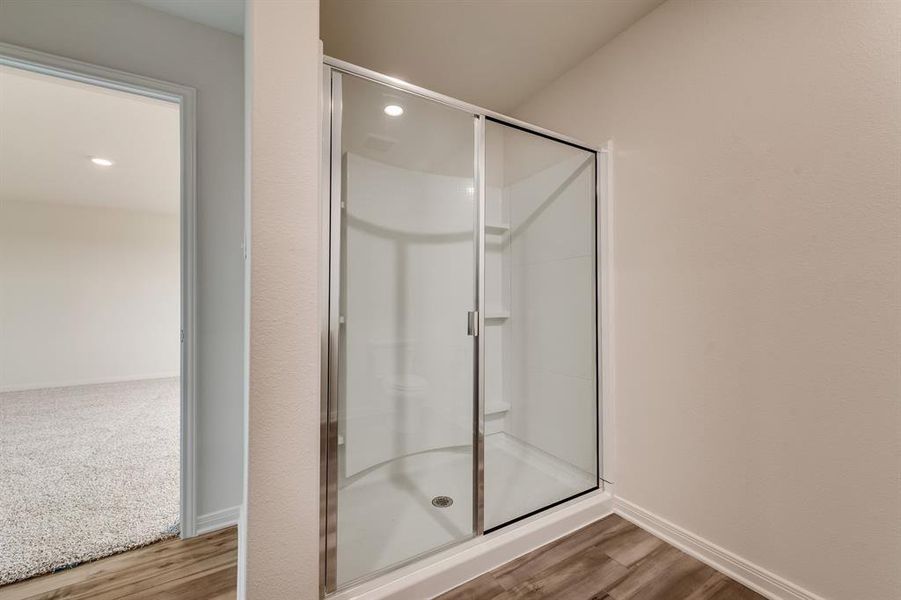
{"type": "Point", "coordinates": [146, 42]}
{"type": "Point", "coordinates": [758, 277]}
{"type": "Point", "coordinates": [281, 538]}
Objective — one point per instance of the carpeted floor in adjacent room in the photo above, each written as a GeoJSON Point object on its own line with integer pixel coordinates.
{"type": "Point", "coordinates": [86, 472]}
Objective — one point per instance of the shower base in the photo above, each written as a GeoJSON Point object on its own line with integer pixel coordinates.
{"type": "Point", "coordinates": [386, 516]}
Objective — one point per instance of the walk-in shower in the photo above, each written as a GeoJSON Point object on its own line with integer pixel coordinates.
{"type": "Point", "coordinates": [461, 386]}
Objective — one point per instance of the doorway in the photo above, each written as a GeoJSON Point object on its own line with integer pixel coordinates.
{"type": "Point", "coordinates": [96, 312]}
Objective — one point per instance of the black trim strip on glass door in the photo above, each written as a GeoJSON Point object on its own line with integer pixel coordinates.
{"type": "Point", "coordinates": [542, 509]}
{"type": "Point", "coordinates": [549, 137]}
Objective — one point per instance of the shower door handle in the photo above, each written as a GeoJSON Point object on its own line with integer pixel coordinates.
{"type": "Point", "coordinates": [472, 323]}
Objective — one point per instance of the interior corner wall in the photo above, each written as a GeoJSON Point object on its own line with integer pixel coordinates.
{"type": "Point", "coordinates": [757, 277]}
{"type": "Point", "coordinates": [280, 543]}
{"type": "Point", "coordinates": [132, 38]}
{"type": "Point", "coordinates": [90, 294]}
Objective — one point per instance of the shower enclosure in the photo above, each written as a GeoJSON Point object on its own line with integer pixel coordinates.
{"type": "Point", "coordinates": [461, 383]}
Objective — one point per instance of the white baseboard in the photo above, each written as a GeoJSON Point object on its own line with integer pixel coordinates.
{"type": "Point", "coordinates": [219, 519]}
{"type": "Point", "coordinates": [753, 576]}
{"type": "Point", "coordinates": [95, 381]}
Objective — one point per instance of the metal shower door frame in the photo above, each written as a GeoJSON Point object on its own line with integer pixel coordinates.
{"type": "Point", "coordinates": [330, 276]}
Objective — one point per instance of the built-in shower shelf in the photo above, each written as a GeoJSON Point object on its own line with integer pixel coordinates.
{"type": "Point", "coordinates": [496, 408]}
{"type": "Point", "coordinates": [496, 314]}
{"type": "Point", "coordinates": [497, 228]}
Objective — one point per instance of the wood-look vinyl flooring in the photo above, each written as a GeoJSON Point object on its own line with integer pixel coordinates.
{"type": "Point", "coordinates": [202, 568]}
{"type": "Point", "coordinates": [610, 559]}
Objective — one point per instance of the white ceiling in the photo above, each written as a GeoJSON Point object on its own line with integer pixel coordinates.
{"type": "Point", "coordinates": [495, 54]}
{"type": "Point", "coordinates": [51, 127]}
{"type": "Point", "coordinates": [227, 15]}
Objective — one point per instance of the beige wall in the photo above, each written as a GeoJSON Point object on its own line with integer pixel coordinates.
{"type": "Point", "coordinates": [90, 294]}
{"type": "Point", "coordinates": [125, 36]}
{"type": "Point", "coordinates": [758, 277]}
{"type": "Point", "coordinates": [280, 543]}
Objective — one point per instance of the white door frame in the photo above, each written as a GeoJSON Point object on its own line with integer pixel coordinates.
{"type": "Point", "coordinates": [185, 97]}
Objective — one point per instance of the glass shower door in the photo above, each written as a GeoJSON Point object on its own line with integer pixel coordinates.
{"type": "Point", "coordinates": [541, 383]}
{"type": "Point", "coordinates": [403, 233]}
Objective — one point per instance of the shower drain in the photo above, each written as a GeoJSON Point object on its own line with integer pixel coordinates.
{"type": "Point", "coordinates": [442, 501]}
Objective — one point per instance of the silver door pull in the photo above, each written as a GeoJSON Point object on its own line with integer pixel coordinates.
{"type": "Point", "coordinates": [472, 324]}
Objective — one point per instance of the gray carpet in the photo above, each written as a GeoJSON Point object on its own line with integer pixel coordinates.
{"type": "Point", "coordinates": [86, 472]}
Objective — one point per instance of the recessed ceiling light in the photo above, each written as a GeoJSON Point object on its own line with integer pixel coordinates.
{"type": "Point", "coordinates": [393, 110]}
{"type": "Point", "coordinates": [102, 162]}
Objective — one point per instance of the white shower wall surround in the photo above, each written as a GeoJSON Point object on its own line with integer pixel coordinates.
{"type": "Point", "coordinates": [462, 351]}
{"type": "Point", "coordinates": [404, 389]}
{"type": "Point", "coordinates": [543, 358]}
